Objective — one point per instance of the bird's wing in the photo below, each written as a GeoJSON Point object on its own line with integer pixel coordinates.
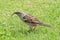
{"type": "Point", "coordinates": [31, 19]}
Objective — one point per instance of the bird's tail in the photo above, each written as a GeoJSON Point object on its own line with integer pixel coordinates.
{"type": "Point", "coordinates": [47, 25]}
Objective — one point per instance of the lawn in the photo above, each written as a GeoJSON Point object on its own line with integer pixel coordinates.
{"type": "Point", "coordinates": [12, 28]}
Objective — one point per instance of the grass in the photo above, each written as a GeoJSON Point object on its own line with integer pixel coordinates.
{"type": "Point", "coordinates": [12, 28]}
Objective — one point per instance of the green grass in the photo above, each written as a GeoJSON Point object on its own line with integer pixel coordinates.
{"type": "Point", "coordinates": [12, 28]}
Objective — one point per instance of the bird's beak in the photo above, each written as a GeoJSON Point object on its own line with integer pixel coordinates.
{"type": "Point", "coordinates": [12, 14]}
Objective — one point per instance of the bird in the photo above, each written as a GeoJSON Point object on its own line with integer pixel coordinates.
{"type": "Point", "coordinates": [30, 20]}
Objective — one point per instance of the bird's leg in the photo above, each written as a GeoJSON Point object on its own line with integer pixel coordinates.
{"type": "Point", "coordinates": [30, 29]}
{"type": "Point", "coordinates": [34, 27]}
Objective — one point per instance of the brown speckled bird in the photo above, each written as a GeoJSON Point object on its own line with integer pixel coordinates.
{"type": "Point", "coordinates": [30, 20]}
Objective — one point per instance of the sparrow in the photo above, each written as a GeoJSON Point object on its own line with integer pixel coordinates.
{"type": "Point", "coordinates": [30, 20]}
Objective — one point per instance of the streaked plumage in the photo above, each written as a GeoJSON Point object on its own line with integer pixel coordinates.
{"type": "Point", "coordinates": [30, 20]}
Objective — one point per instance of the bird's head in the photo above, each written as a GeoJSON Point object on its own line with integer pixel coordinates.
{"type": "Point", "coordinates": [18, 13]}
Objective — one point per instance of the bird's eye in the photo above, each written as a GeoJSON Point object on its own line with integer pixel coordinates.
{"type": "Point", "coordinates": [23, 17]}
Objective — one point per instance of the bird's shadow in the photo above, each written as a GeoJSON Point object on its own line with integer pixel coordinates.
{"type": "Point", "coordinates": [27, 32]}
